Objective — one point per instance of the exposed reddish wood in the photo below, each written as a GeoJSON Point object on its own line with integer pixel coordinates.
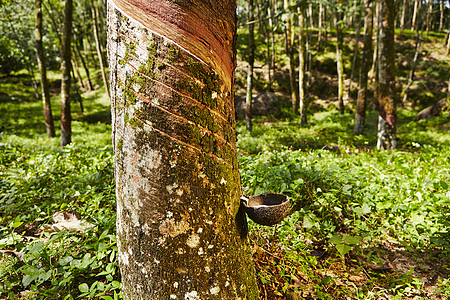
{"type": "Point", "coordinates": [200, 32]}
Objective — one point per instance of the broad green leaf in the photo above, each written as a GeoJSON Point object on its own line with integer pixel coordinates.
{"type": "Point", "coordinates": [351, 240]}
{"type": "Point", "coordinates": [343, 249]}
{"type": "Point", "coordinates": [84, 288]}
{"type": "Point", "coordinates": [307, 222]}
{"type": "Point", "coordinates": [335, 239]}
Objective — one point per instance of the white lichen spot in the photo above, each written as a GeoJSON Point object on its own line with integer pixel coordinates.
{"type": "Point", "coordinates": [191, 295]}
{"type": "Point", "coordinates": [200, 251]}
{"type": "Point", "coordinates": [170, 188]}
{"type": "Point", "coordinates": [209, 222]}
{"type": "Point", "coordinates": [172, 296]}
{"type": "Point", "coordinates": [210, 246]}
{"type": "Point", "coordinates": [200, 230]}
{"type": "Point", "coordinates": [175, 284]}
{"type": "Point", "coordinates": [214, 95]}
{"type": "Point", "coordinates": [193, 240]}
{"type": "Point", "coordinates": [123, 257]}
{"type": "Point", "coordinates": [181, 251]}
{"type": "Point", "coordinates": [179, 192]}
{"type": "Point", "coordinates": [223, 181]}
{"type": "Point", "coordinates": [130, 251]}
{"type": "Point", "coordinates": [214, 290]}
{"type": "Point", "coordinates": [173, 228]}
{"type": "Point", "coordinates": [189, 209]}
{"type": "Point", "coordinates": [227, 283]}
{"type": "Point", "coordinates": [173, 163]}
{"type": "Point", "coordinates": [207, 269]}
{"type": "Point", "coordinates": [144, 271]}
{"type": "Point", "coordinates": [156, 261]}
{"type": "Point", "coordinates": [169, 214]}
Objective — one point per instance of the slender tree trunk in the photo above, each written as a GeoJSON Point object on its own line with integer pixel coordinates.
{"type": "Point", "coordinates": [301, 68]}
{"type": "Point", "coordinates": [448, 42]}
{"type": "Point", "coordinates": [415, 16]}
{"type": "Point", "coordinates": [251, 61]}
{"type": "Point", "coordinates": [429, 15]}
{"type": "Point", "coordinates": [355, 57]}
{"type": "Point", "coordinates": [413, 68]}
{"type": "Point", "coordinates": [373, 75]}
{"type": "Point", "coordinates": [48, 117]}
{"type": "Point", "coordinates": [319, 36]}
{"type": "Point", "coordinates": [339, 64]}
{"type": "Point", "coordinates": [290, 39]}
{"type": "Point", "coordinates": [83, 63]}
{"type": "Point", "coordinates": [77, 72]}
{"type": "Point", "coordinates": [180, 226]}
{"type": "Point", "coordinates": [441, 17]}
{"type": "Point", "coordinates": [98, 45]}
{"type": "Point", "coordinates": [66, 53]}
{"type": "Point", "coordinates": [361, 101]}
{"type": "Point", "coordinates": [402, 18]}
{"type": "Point", "coordinates": [387, 117]}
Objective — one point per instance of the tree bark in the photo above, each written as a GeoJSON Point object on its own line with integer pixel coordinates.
{"type": "Point", "coordinates": [290, 39]}
{"type": "Point", "coordinates": [339, 62]}
{"type": "Point", "coordinates": [404, 94]}
{"type": "Point", "coordinates": [361, 101]}
{"type": "Point", "coordinates": [355, 56]}
{"type": "Point", "coordinates": [66, 53]}
{"type": "Point", "coordinates": [415, 16]}
{"type": "Point", "coordinates": [301, 69]}
{"type": "Point", "coordinates": [441, 16]}
{"type": "Point", "coordinates": [387, 117]}
{"type": "Point", "coordinates": [402, 18]}
{"type": "Point", "coordinates": [251, 61]}
{"type": "Point", "coordinates": [48, 116]}
{"type": "Point", "coordinates": [180, 226]}
{"type": "Point", "coordinates": [83, 63]}
{"type": "Point", "coordinates": [98, 46]}
{"type": "Point", "coordinates": [319, 37]}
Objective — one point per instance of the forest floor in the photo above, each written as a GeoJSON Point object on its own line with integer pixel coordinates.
{"type": "Point", "coordinates": [365, 224]}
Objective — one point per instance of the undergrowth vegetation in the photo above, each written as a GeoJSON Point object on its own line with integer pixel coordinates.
{"type": "Point", "coordinates": [364, 224]}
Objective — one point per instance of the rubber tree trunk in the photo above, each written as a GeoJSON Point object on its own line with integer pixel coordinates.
{"type": "Point", "coordinates": [361, 101]}
{"type": "Point", "coordinates": [339, 61]}
{"type": "Point", "coordinates": [48, 116]}
{"type": "Point", "coordinates": [301, 69]}
{"type": "Point", "coordinates": [290, 39]}
{"type": "Point", "coordinates": [387, 117]}
{"type": "Point", "coordinates": [83, 63]}
{"type": "Point", "coordinates": [355, 56]}
{"type": "Point", "coordinates": [414, 22]}
{"type": "Point", "coordinates": [251, 61]}
{"type": "Point", "coordinates": [403, 15]}
{"type": "Point", "coordinates": [98, 45]}
{"type": "Point", "coordinates": [66, 118]}
{"type": "Point", "coordinates": [180, 227]}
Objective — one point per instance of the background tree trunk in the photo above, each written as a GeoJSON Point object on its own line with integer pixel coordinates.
{"type": "Point", "coordinates": [66, 53]}
{"type": "Point", "coordinates": [290, 40]}
{"type": "Point", "coordinates": [386, 78]}
{"type": "Point", "coordinates": [361, 101]}
{"type": "Point", "coordinates": [98, 46]}
{"type": "Point", "coordinates": [180, 229]}
{"type": "Point", "coordinates": [301, 69]}
{"type": "Point", "coordinates": [48, 116]}
{"type": "Point", "coordinates": [339, 62]}
{"type": "Point", "coordinates": [251, 61]}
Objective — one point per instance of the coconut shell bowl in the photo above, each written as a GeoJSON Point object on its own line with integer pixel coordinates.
{"type": "Point", "coordinates": [266, 209]}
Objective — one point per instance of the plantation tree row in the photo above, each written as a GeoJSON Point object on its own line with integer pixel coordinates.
{"type": "Point", "coordinates": [78, 46]}
{"type": "Point", "coordinates": [69, 36]}
{"type": "Point", "coordinates": [305, 25]}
